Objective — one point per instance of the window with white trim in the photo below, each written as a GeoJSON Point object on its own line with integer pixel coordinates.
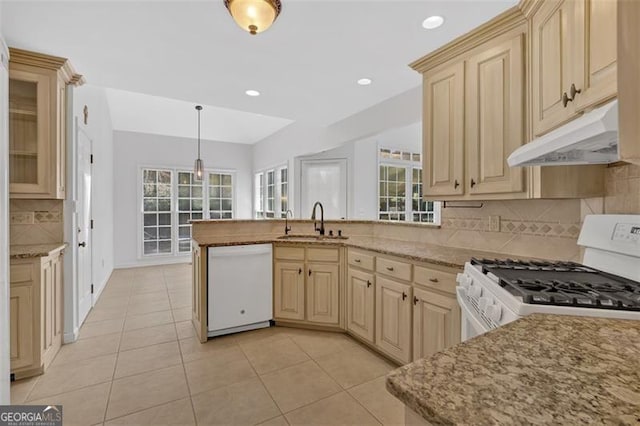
{"type": "Point", "coordinates": [271, 193]}
{"type": "Point", "coordinates": [171, 198]}
{"type": "Point", "coordinates": [400, 188]}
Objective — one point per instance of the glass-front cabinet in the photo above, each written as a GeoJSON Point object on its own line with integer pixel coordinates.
{"type": "Point", "coordinates": [37, 128]}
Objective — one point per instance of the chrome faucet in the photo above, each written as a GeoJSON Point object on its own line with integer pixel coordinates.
{"type": "Point", "coordinates": [313, 217]}
{"type": "Point", "coordinates": [287, 228]}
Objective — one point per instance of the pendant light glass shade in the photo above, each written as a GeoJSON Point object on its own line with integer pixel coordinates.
{"type": "Point", "coordinates": [254, 16]}
{"type": "Point", "coordinates": [198, 167]}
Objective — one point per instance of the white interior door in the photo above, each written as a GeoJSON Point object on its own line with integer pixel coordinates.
{"type": "Point", "coordinates": [85, 274]}
{"type": "Point", "coordinates": [324, 181]}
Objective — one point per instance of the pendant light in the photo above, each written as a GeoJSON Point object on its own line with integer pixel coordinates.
{"type": "Point", "coordinates": [198, 169]}
{"type": "Point", "coordinates": [254, 16]}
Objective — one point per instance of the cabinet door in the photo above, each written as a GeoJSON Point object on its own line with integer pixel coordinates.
{"type": "Point", "coordinates": [495, 117]}
{"type": "Point", "coordinates": [199, 291]}
{"type": "Point", "coordinates": [443, 132]}
{"type": "Point", "coordinates": [551, 67]}
{"type": "Point", "coordinates": [360, 304]}
{"type": "Point", "coordinates": [47, 312]}
{"type": "Point", "coordinates": [289, 290]}
{"type": "Point", "coordinates": [436, 322]}
{"type": "Point", "coordinates": [595, 52]}
{"type": "Point", "coordinates": [29, 133]}
{"type": "Point", "coordinates": [393, 318]}
{"type": "Point", "coordinates": [21, 326]}
{"type": "Point", "coordinates": [323, 302]}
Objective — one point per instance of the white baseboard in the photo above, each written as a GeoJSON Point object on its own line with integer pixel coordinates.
{"type": "Point", "coordinates": [70, 337]}
{"type": "Point", "coordinates": [154, 262]}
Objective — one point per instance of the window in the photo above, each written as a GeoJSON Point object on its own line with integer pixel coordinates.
{"type": "Point", "coordinates": [156, 204]}
{"type": "Point", "coordinates": [284, 192]}
{"type": "Point", "coordinates": [169, 191]}
{"type": "Point", "coordinates": [271, 193]}
{"type": "Point", "coordinates": [400, 188]}
{"type": "Point", "coordinates": [220, 196]}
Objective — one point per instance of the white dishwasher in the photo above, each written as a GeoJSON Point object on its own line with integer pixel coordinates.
{"type": "Point", "coordinates": [239, 288]}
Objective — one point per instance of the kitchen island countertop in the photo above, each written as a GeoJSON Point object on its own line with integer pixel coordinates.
{"type": "Point", "coordinates": [540, 369]}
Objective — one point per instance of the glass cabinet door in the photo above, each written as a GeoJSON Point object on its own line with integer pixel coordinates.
{"type": "Point", "coordinates": [28, 125]}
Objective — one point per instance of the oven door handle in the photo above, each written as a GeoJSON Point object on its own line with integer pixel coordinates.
{"type": "Point", "coordinates": [469, 312]}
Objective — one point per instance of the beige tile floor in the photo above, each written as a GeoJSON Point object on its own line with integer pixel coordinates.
{"type": "Point", "coordinates": [137, 362]}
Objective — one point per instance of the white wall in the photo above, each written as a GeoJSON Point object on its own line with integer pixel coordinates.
{"type": "Point", "coordinates": [133, 150]}
{"type": "Point", "coordinates": [4, 228]}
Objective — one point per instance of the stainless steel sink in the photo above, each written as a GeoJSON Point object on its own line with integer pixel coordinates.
{"type": "Point", "coordinates": [311, 237]}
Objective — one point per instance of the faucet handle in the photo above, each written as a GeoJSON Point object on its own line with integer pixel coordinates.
{"type": "Point", "coordinates": [339, 232]}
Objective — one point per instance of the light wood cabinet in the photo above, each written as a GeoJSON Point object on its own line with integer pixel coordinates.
{"type": "Point", "coordinates": [574, 59]}
{"type": "Point", "coordinates": [307, 285]}
{"type": "Point", "coordinates": [199, 293]}
{"type": "Point", "coordinates": [393, 318]}
{"type": "Point", "coordinates": [360, 304]}
{"type": "Point", "coordinates": [494, 116]}
{"type": "Point", "coordinates": [37, 118]}
{"type": "Point", "coordinates": [436, 322]}
{"type": "Point", "coordinates": [323, 293]}
{"type": "Point", "coordinates": [443, 131]}
{"type": "Point", "coordinates": [289, 289]}
{"type": "Point", "coordinates": [36, 327]}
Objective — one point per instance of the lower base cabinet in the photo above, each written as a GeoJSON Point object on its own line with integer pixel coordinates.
{"type": "Point", "coordinates": [393, 318]}
{"type": "Point", "coordinates": [323, 301]}
{"type": "Point", "coordinates": [436, 322]}
{"type": "Point", "coordinates": [289, 290]}
{"type": "Point", "coordinates": [35, 313]}
{"type": "Point", "coordinates": [360, 304]}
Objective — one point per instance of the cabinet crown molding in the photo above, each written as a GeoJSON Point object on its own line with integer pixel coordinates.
{"type": "Point", "coordinates": [41, 60]}
{"type": "Point", "coordinates": [501, 24]}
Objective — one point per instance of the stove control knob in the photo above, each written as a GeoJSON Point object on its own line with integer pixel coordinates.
{"type": "Point", "coordinates": [464, 280]}
{"type": "Point", "coordinates": [494, 313]}
{"type": "Point", "coordinates": [475, 291]}
{"type": "Point", "coordinates": [483, 303]}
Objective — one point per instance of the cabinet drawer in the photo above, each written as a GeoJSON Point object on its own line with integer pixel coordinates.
{"type": "Point", "coordinates": [22, 273]}
{"type": "Point", "coordinates": [361, 259]}
{"type": "Point", "coordinates": [323, 254]}
{"type": "Point", "coordinates": [439, 280]}
{"type": "Point", "coordinates": [393, 268]}
{"type": "Point", "coordinates": [289, 253]}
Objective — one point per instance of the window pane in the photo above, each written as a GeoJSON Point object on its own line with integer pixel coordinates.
{"type": "Point", "coordinates": [150, 233]}
{"type": "Point", "coordinates": [164, 247]}
{"type": "Point", "coordinates": [150, 247]}
{"type": "Point", "coordinates": [150, 190]}
{"type": "Point", "coordinates": [150, 219]}
{"type": "Point", "coordinates": [183, 205]}
{"type": "Point", "coordinates": [184, 232]}
{"type": "Point", "coordinates": [196, 191]}
{"type": "Point", "coordinates": [184, 246]}
{"type": "Point", "coordinates": [150, 205]}
{"type": "Point", "coordinates": [184, 218]}
{"type": "Point", "coordinates": [226, 180]}
{"type": "Point", "coordinates": [164, 232]}
{"type": "Point", "coordinates": [164, 219]}
{"type": "Point", "coordinates": [196, 216]}
{"type": "Point", "coordinates": [221, 195]}
{"type": "Point", "coordinates": [149, 176]}
{"type": "Point", "coordinates": [164, 176]}
{"type": "Point", "coordinates": [184, 178]}
{"type": "Point", "coordinates": [183, 191]}
{"type": "Point", "coordinates": [164, 205]}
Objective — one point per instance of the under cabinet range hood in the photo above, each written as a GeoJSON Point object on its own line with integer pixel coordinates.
{"type": "Point", "coordinates": [590, 139]}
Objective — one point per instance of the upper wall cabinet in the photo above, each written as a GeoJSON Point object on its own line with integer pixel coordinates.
{"type": "Point", "coordinates": [478, 97]}
{"type": "Point", "coordinates": [37, 118]}
{"type": "Point", "coordinates": [573, 49]}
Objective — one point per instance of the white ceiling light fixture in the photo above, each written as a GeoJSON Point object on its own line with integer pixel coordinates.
{"type": "Point", "coordinates": [252, 93]}
{"type": "Point", "coordinates": [254, 16]}
{"type": "Point", "coordinates": [364, 81]}
{"type": "Point", "coordinates": [432, 22]}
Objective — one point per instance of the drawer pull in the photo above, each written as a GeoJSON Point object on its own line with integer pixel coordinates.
{"type": "Point", "coordinates": [368, 283]}
{"type": "Point", "coordinates": [309, 272]}
{"type": "Point", "coordinates": [390, 268]}
{"type": "Point", "coordinates": [415, 300]}
{"type": "Point", "coordinates": [573, 91]}
{"type": "Point", "coordinates": [299, 271]}
{"type": "Point", "coordinates": [356, 260]}
{"type": "Point", "coordinates": [433, 280]}
{"type": "Point", "coordinates": [404, 295]}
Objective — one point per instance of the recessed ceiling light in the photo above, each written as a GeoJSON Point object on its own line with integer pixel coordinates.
{"type": "Point", "coordinates": [432, 22]}
{"type": "Point", "coordinates": [364, 81]}
{"type": "Point", "coordinates": [252, 93]}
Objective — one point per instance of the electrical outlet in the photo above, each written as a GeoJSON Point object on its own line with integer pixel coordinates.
{"type": "Point", "coordinates": [494, 223]}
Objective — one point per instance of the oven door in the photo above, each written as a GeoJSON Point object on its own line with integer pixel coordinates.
{"type": "Point", "coordinates": [471, 323]}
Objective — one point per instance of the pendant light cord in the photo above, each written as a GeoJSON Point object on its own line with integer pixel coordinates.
{"type": "Point", "coordinates": [199, 133]}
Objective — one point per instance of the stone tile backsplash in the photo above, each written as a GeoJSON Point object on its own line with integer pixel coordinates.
{"type": "Point", "coordinates": [622, 189]}
{"type": "Point", "coordinates": [36, 221]}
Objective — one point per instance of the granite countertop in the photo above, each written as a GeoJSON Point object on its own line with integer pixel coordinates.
{"type": "Point", "coordinates": [25, 251]}
{"type": "Point", "coordinates": [420, 252]}
{"type": "Point", "coordinates": [540, 369]}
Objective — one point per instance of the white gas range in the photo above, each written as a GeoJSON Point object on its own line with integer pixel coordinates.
{"type": "Point", "coordinates": [492, 292]}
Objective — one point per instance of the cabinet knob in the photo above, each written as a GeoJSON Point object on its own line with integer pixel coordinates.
{"type": "Point", "coordinates": [473, 183]}
{"type": "Point", "coordinates": [456, 184]}
{"type": "Point", "coordinates": [415, 300]}
{"type": "Point", "coordinates": [573, 91]}
{"type": "Point", "coordinates": [565, 99]}
{"type": "Point", "coordinates": [299, 271]}
{"type": "Point", "coordinates": [390, 268]}
{"type": "Point", "coordinates": [82, 244]}
{"type": "Point", "coordinates": [433, 280]}
{"type": "Point", "coordinates": [309, 272]}
{"type": "Point", "coordinates": [368, 283]}
{"type": "Point", "coordinates": [356, 260]}
{"type": "Point", "coordinates": [404, 295]}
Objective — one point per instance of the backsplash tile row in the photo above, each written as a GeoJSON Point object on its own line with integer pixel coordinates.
{"type": "Point", "coordinates": [36, 221]}
{"type": "Point", "coordinates": [622, 189]}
